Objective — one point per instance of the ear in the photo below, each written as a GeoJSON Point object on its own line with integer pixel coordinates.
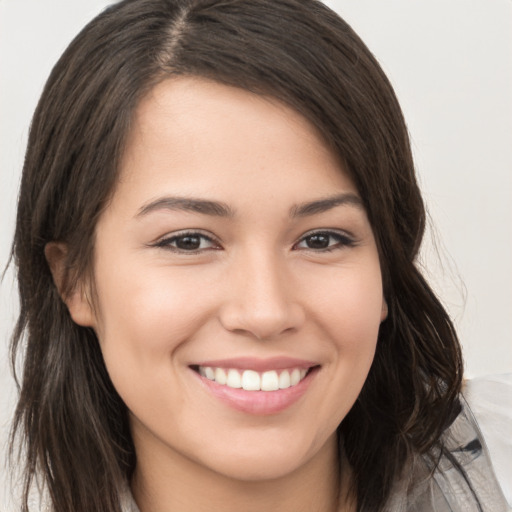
{"type": "Point", "coordinates": [384, 310]}
{"type": "Point", "coordinates": [76, 300]}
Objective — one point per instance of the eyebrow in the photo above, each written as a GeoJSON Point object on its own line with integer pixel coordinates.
{"type": "Point", "coordinates": [323, 205]}
{"type": "Point", "coordinates": [219, 209]}
{"type": "Point", "coordinates": [203, 206]}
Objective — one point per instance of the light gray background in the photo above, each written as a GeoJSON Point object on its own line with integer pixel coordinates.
{"type": "Point", "coordinates": [451, 65]}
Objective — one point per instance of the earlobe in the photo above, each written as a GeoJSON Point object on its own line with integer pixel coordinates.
{"type": "Point", "coordinates": [76, 299]}
{"type": "Point", "coordinates": [384, 310]}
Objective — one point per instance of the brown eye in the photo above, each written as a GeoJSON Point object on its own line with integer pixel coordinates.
{"type": "Point", "coordinates": [188, 242]}
{"type": "Point", "coordinates": [320, 241]}
{"type": "Point", "coordinates": [325, 241]}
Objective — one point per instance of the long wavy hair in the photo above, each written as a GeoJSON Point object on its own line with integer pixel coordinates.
{"type": "Point", "coordinates": [70, 424]}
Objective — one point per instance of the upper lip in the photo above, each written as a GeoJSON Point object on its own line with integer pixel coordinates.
{"type": "Point", "coordinates": [257, 364]}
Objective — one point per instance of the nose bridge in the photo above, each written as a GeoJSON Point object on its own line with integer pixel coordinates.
{"type": "Point", "coordinates": [260, 300]}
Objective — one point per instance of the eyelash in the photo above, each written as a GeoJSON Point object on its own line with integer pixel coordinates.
{"type": "Point", "coordinates": [342, 240]}
{"type": "Point", "coordinates": [165, 243]}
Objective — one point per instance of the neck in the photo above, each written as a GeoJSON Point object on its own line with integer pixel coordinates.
{"type": "Point", "coordinates": [166, 482]}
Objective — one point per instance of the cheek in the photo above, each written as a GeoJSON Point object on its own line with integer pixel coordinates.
{"type": "Point", "coordinates": [350, 308]}
{"type": "Point", "coordinates": [350, 317]}
{"type": "Point", "coordinates": [144, 318]}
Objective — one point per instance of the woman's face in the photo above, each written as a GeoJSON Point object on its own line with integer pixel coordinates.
{"type": "Point", "coordinates": [235, 248]}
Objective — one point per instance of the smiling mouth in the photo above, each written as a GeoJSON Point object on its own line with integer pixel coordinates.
{"type": "Point", "coordinates": [256, 387]}
{"type": "Point", "coordinates": [251, 380]}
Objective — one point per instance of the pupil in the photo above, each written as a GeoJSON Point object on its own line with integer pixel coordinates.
{"type": "Point", "coordinates": [188, 242]}
{"type": "Point", "coordinates": [318, 241]}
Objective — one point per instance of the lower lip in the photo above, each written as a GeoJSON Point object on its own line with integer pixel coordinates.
{"type": "Point", "coordinates": [259, 402]}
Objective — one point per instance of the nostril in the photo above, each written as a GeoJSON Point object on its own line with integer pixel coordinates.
{"type": "Point", "coordinates": [264, 316]}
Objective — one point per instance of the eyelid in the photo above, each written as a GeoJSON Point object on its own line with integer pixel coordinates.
{"type": "Point", "coordinates": [348, 240]}
{"type": "Point", "coordinates": [165, 241]}
{"type": "Point", "coordinates": [345, 239]}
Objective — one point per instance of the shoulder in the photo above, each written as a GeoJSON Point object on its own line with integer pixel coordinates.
{"type": "Point", "coordinates": [456, 476]}
{"type": "Point", "coordinates": [126, 500]}
{"type": "Point", "coordinates": [490, 399]}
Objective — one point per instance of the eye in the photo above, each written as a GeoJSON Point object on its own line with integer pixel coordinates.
{"type": "Point", "coordinates": [190, 242]}
{"type": "Point", "coordinates": [325, 241]}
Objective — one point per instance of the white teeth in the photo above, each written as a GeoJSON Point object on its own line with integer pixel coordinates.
{"type": "Point", "coordinates": [234, 380]}
{"type": "Point", "coordinates": [269, 381]}
{"type": "Point", "coordinates": [284, 380]}
{"type": "Point", "coordinates": [250, 380]}
{"type": "Point", "coordinates": [294, 377]}
{"type": "Point", "coordinates": [220, 376]}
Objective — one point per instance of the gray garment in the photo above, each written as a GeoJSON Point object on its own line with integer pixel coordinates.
{"type": "Point", "coordinates": [472, 487]}
{"type": "Point", "coordinates": [448, 489]}
{"type": "Point", "coordinates": [490, 400]}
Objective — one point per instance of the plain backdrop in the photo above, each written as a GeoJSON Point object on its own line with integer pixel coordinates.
{"type": "Point", "coordinates": [451, 65]}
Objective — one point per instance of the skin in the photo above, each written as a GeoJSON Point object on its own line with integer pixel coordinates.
{"type": "Point", "coordinates": [255, 287]}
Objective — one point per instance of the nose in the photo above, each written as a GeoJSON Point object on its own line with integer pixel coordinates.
{"type": "Point", "coordinates": [261, 300]}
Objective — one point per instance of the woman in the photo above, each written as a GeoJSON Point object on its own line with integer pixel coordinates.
{"type": "Point", "coordinates": [216, 240]}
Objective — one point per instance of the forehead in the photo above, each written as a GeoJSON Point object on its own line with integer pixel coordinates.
{"type": "Point", "coordinates": [194, 136]}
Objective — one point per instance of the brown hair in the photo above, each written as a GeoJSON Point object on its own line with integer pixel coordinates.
{"type": "Point", "coordinates": [72, 423]}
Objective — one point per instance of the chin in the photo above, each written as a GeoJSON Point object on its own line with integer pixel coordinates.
{"type": "Point", "coordinates": [262, 460]}
{"type": "Point", "coordinates": [252, 469]}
